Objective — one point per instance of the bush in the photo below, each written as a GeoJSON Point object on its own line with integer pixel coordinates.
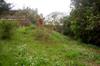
{"type": "Point", "coordinates": [42, 35]}
{"type": "Point", "coordinates": [67, 26]}
{"type": "Point", "coordinates": [7, 28]}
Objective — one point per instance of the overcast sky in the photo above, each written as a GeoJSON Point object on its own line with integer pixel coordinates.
{"type": "Point", "coordinates": [44, 6]}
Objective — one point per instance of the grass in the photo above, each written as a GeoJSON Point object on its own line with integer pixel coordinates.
{"type": "Point", "coordinates": [51, 49]}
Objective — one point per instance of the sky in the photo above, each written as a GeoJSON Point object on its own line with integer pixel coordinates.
{"type": "Point", "coordinates": [44, 6]}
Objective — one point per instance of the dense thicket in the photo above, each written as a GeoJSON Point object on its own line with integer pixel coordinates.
{"type": "Point", "coordinates": [85, 20]}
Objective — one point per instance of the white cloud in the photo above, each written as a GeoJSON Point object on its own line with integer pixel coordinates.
{"type": "Point", "coordinates": [44, 6]}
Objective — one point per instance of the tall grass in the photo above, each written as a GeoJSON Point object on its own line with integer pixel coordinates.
{"type": "Point", "coordinates": [7, 28]}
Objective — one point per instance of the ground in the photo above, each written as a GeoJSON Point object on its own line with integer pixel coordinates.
{"type": "Point", "coordinates": [29, 47]}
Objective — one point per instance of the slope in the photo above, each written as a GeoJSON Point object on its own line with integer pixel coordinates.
{"type": "Point", "coordinates": [41, 47]}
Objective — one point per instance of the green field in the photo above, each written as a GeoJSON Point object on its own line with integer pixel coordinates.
{"type": "Point", "coordinates": [39, 47]}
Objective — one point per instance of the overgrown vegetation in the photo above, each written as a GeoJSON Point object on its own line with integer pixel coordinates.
{"type": "Point", "coordinates": [7, 29]}
{"type": "Point", "coordinates": [24, 50]}
{"type": "Point", "coordinates": [4, 7]}
{"type": "Point", "coordinates": [33, 45]}
{"type": "Point", "coordinates": [84, 21]}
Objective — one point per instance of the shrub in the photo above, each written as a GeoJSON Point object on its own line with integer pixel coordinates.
{"type": "Point", "coordinates": [42, 35]}
{"type": "Point", "coordinates": [7, 29]}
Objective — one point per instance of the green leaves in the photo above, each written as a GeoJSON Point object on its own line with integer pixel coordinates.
{"type": "Point", "coordinates": [85, 21]}
{"type": "Point", "coordinates": [4, 7]}
{"type": "Point", "coordinates": [7, 29]}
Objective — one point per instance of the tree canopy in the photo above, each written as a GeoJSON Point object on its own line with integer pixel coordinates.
{"type": "Point", "coordinates": [4, 6]}
{"type": "Point", "coordinates": [85, 20]}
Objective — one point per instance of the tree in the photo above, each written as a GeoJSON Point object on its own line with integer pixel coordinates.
{"type": "Point", "coordinates": [4, 6]}
{"type": "Point", "coordinates": [55, 20]}
{"type": "Point", "coordinates": [85, 20]}
{"type": "Point", "coordinates": [66, 26]}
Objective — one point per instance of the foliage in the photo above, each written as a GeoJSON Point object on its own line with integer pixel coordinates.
{"type": "Point", "coordinates": [31, 14]}
{"type": "Point", "coordinates": [74, 63]}
{"type": "Point", "coordinates": [7, 29]}
{"type": "Point", "coordinates": [4, 6]}
{"type": "Point", "coordinates": [66, 26]}
{"type": "Point", "coordinates": [85, 20]}
{"type": "Point", "coordinates": [54, 20]}
{"type": "Point", "coordinates": [42, 35]}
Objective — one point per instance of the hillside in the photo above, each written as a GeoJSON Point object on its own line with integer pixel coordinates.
{"type": "Point", "coordinates": [41, 47]}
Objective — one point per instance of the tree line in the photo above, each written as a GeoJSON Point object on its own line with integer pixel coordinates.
{"type": "Point", "coordinates": [84, 21]}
